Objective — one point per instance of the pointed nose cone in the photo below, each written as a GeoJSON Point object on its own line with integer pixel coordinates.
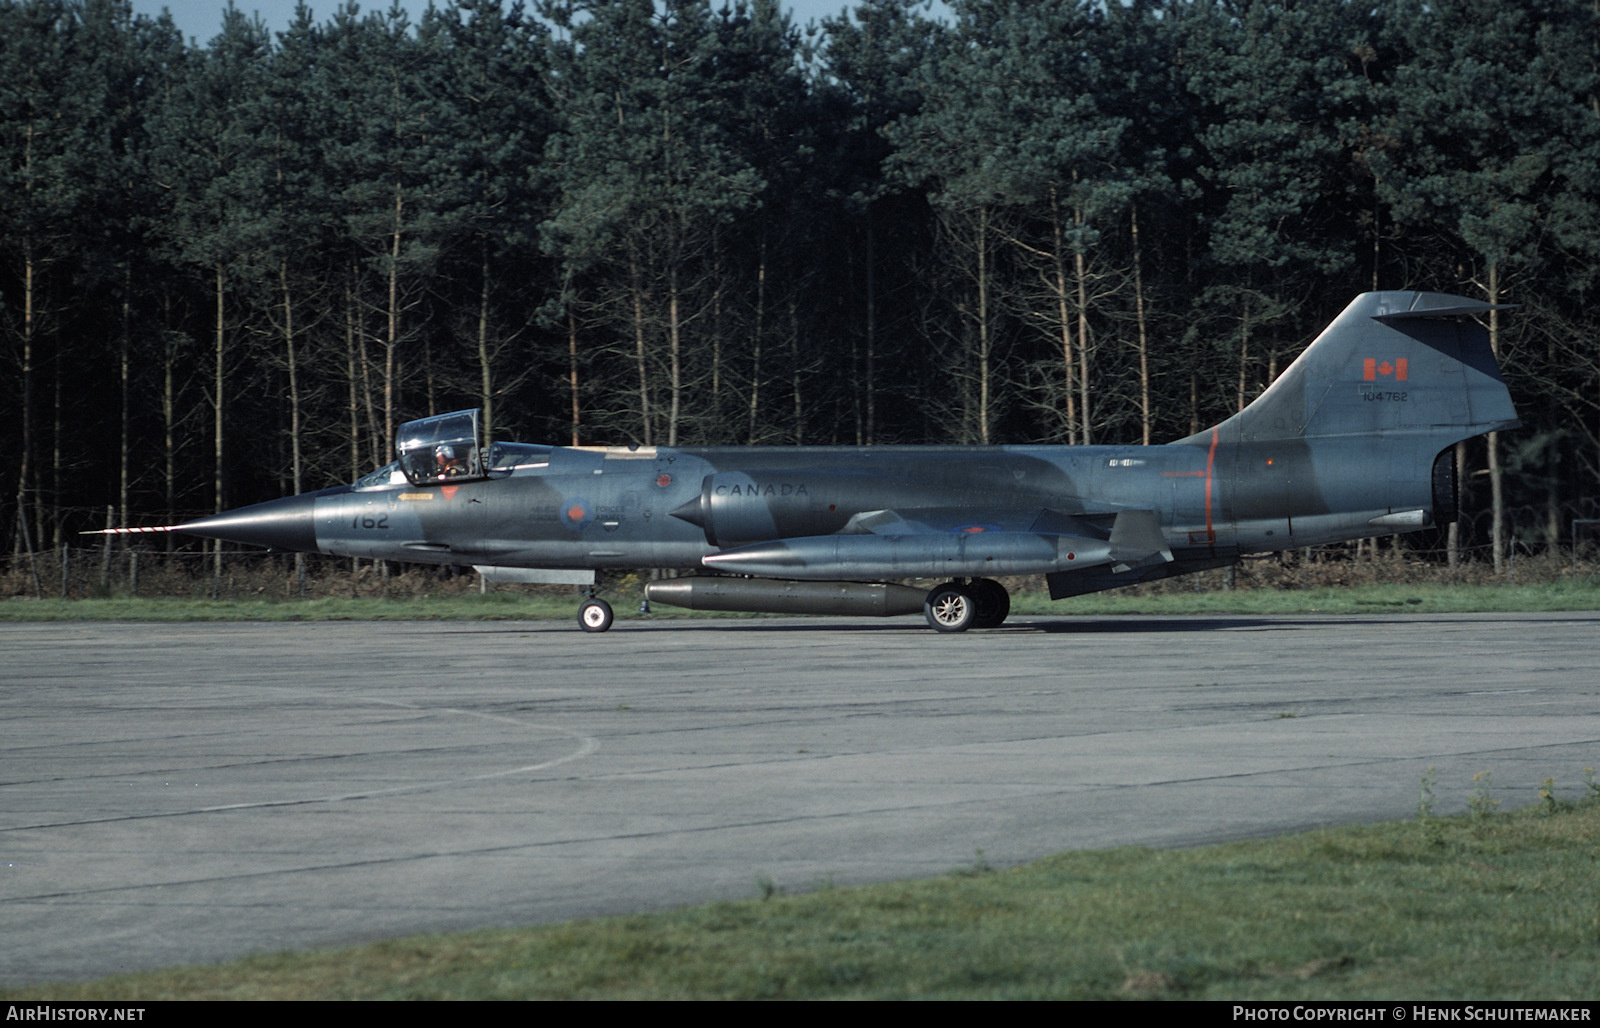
{"type": "Point", "coordinates": [286, 524]}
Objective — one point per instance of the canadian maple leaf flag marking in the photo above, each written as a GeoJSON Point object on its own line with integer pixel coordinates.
{"type": "Point", "coordinates": [1373, 369]}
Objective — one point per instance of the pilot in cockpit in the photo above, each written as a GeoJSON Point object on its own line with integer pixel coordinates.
{"type": "Point", "coordinates": [446, 464]}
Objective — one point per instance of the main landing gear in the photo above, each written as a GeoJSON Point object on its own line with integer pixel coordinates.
{"type": "Point", "coordinates": [594, 615]}
{"type": "Point", "coordinates": [957, 606]}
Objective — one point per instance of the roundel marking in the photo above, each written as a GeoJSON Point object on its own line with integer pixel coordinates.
{"type": "Point", "coordinates": [577, 513]}
{"type": "Point", "coordinates": [663, 480]}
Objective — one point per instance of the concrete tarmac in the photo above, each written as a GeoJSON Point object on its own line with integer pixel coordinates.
{"type": "Point", "coordinates": [191, 793]}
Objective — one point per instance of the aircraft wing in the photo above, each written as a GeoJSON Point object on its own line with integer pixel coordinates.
{"type": "Point", "coordinates": [959, 542]}
{"type": "Point", "coordinates": [971, 521]}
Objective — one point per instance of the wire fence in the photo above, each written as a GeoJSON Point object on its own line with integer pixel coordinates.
{"type": "Point", "coordinates": [97, 571]}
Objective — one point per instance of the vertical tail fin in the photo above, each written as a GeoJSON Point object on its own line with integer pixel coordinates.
{"type": "Point", "coordinates": [1393, 362]}
{"type": "Point", "coordinates": [1346, 443]}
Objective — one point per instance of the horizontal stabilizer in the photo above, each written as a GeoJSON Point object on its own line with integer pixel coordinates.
{"type": "Point", "coordinates": [1093, 580]}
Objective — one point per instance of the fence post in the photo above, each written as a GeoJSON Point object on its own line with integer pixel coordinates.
{"type": "Point", "coordinates": [105, 554]}
{"type": "Point", "coordinates": [66, 567]}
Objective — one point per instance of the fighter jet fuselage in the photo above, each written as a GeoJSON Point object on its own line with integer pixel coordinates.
{"type": "Point", "coordinates": [1353, 440]}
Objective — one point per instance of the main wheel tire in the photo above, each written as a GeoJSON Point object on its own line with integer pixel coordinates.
{"type": "Point", "coordinates": [595, 616]}
{"type": "Point", "coordinates": [992, 601]}
{"type": "Point", "coordinates": [950, 608]}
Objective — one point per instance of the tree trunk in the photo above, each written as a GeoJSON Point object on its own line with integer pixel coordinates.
{"type": "Point", "coordinates": [125, 372]}
{"type": "Point", "coordinates": [1453, 535]}
{"type": "Point", "coordinates": [794, 364]}
{"type": "Point", "coordinates": [572, 370]}
{"type": "Point", "coordinates": [218, 383]}
{"type": "Point", "coordinates": [352, 382]}
{"type": "Point", "coordinates": [1194, 402]}
{"type": "Point", "coordinates": [290, 359]}
{"type": "Point", "coordinates": [1244, 351]}
{"type": "Point", "coordinates": [392, 341]}
{"type": "Point", "coordinates": [1144, 339]}
{"type": "Point", "coordinates": [1064, 319]}
{"type": "Point", "coordinates": [27, 547]}
{"type": "Point", "coordinates": [57, 458]}
{"type": "Point", "coordinates": [716, 337]}
{"type": "Point", "coordinates": [169, 420]}
{"type": "Point", "coordinates": [379, 444]}
{"type": "Point", "coordinates": [485, 371]}
{"type": "Point", "coordinates": [870, 387]}
{"type": "Point", "coordinates": [1080, 269]}
{"type": "Point", "coordinates": [983, 325]}
{"type": "Point", "coordinates": [25, 458]}
{"type": "Point", "coordinates": [675, 345]}
{"type": "Point", "coordinates": [293, 366]}
{"type": "Point", "coordinates": [1496, 473]}
{"type": "Point", "coordinates": [638, 345]}
{"type": "Point", "coordinates": [755, 345]}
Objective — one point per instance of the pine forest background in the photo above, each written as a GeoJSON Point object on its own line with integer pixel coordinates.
{"type": "Point", "coordinates": [227, 273]}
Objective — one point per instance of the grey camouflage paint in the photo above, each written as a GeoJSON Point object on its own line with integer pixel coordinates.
{"type": "Point", "coordinates": [1342, 446]}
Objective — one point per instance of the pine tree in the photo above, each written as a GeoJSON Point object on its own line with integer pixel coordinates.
{"type": "Point", "coordinates": [1277, 83]}
{"type": "Point", "coordinates": [1495, 155]}
{"type": "Point", "coordinates": [646, 175]}
{"type": "Point", "coordinates": [383, 144]}
{"type": "Point", "coordinates": [870, 59]}
{"type": "Point", "coordinates": [46, 97]}
{"type": "Point", "coordinates": [494, 80]}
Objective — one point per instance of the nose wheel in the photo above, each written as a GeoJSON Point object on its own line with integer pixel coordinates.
{"type": "Point", "coordinates": [594, 615]}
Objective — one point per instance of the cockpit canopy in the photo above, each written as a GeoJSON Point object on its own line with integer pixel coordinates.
{"type": "Point", "coordinates": [443, 448]}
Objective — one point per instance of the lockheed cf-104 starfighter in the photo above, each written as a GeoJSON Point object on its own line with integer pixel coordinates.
{"type": "Point", "coordinates": [1353, 440]}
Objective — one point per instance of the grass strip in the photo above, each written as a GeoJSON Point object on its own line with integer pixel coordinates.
{"type": "Point", "coordinates": [1485, 906]}
{"type": "Point", "coordinates": [1573, 595]}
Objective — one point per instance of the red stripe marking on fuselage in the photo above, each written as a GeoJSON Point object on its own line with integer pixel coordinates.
{"type": "Point", "coordinates": [1211, 460]}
